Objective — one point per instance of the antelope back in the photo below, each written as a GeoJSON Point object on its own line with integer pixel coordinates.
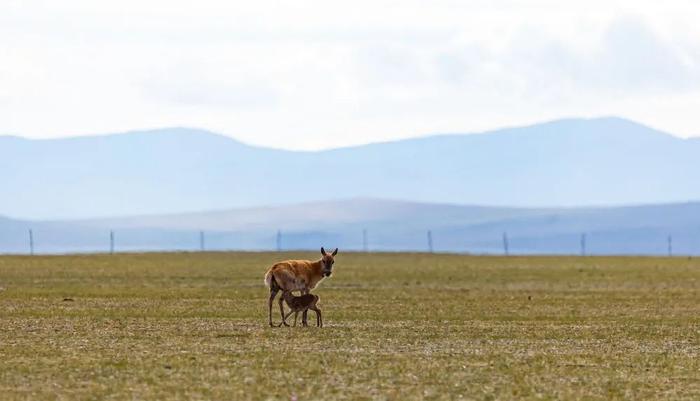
{"type": "Point", "coordinates": [297, 275]}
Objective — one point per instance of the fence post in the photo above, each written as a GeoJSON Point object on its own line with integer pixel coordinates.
{"type": "Point", "coordinates": [505, 243]}
{"type": "Point", "coordinates": [670, 246]}
{"type": "Point", "coordinates": [430, 241]}
{"type": "Point", "coordinates": [279, 241]}
{"type": "Point", "coordinates": [31, 242]}
{"type": "Point", "coordinates": [583, 244]}
{"type": "Point", "coordinates": [111, 242]}
{"type": "Point", "coordinates": [364, 240]}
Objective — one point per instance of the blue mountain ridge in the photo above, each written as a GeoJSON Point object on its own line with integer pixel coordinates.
{"type": "Point", "coordinates": [564, 163]}
{"type": "Point", "coordinates": [389, 226]}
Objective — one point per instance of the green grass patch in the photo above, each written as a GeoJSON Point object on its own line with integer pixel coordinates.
{"type": "Point", "coordinates": [397, 327]}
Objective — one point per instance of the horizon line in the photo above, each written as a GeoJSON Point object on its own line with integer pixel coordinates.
{"type": "Point", "coordinates": [379, 142]}
{"type": "Point", "coordinates": [550, 208]}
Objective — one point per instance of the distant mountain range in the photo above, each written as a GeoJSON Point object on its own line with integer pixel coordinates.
{"type": "Point", "coordinates": [388, 225]}
{"type": "Point", "coordinates": [574, 162]}
{"type": "Point", "coordinates": [59, 188]}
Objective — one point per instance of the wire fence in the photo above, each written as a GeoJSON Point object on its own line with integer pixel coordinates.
{"type": "Point", "coordinates": [54, 241]}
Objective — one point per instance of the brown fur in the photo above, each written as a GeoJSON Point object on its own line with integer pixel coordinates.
{"type": "Point", "coordinates": [297, 275]}
{"type": "Point", "coordinates": [301, 304]}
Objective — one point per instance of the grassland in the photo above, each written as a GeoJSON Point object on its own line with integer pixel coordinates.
{"type": "Point", "coordinates": [398, 327]}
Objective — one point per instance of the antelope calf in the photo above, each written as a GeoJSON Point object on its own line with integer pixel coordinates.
{"type": "Point", "coordinates": [301, 304]}
{"type": "Point", "coordinates": [297, 275]}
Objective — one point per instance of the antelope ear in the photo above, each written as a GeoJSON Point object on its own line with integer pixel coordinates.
{"type": "Point", "coordinates": [335, 252]}
{"type": "Point", "coordinates": [323, 251]}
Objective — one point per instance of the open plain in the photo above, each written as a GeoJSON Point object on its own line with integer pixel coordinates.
{"type": "Point", "coordinates": [397, 327]}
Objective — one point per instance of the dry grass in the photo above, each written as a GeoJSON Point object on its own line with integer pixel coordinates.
{"type": "Point", "coordinates": [403, 326]}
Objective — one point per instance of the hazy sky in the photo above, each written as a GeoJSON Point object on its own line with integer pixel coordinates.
{"type": "Point", "coordinates": [318, 74]}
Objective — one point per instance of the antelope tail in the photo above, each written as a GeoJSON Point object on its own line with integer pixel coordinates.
{"type": "Point", "coordinates": [270, 281]}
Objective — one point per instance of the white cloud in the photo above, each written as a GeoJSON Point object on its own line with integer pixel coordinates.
{"type": "Point", "coordinates": [321, 73]}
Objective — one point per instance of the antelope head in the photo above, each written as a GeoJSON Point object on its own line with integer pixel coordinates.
{"type": "Point", "coordinates": [327, 262]}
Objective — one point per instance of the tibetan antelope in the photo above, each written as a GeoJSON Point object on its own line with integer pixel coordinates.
{"type": "Point", "coordinates": [301, 304]}
{"type": "Point", "coordinates": [297, 275]}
